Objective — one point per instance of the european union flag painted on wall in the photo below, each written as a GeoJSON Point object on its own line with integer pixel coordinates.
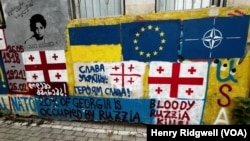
{"type": "Point", "coordinates": [151, 40]}
{"type": "Point", "coordinates": [220, 37]}
{"type": "Point", "coordinates": [101, 34]}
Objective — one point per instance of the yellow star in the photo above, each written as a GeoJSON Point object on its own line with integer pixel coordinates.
{"type": "Point", "coordinates": [162, 34]}
{"type": "Point", "coordinates": [157, 28]}
{"type": "Point", "coordinates": [142, 29]}
{"type": "Point", "coordinates": [160, 48]}
{"type": "Point", "coordinates": [135, 41]}
{"type": "Point", "coordinates": [163, 41]}
{"type": "Point", "coordinates": [150, 27]}
{"type": "Point", "coordinates": [141, 53]}
{"type": "Point", "coordinates": [148, 55]}
{"type": "Point", "coordinates": [137, 34]}
{"type": "Point", "coordinates": [136, 48]}
{"type": "Point", "coordinates": [155, 53]}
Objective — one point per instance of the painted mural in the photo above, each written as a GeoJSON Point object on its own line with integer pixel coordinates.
{"type": "Point", "coordinates": [162, 68]}
{"type": "Point", "coordinates": [122, 79]}
{"type": "Point", "coordinates": [41, 26]}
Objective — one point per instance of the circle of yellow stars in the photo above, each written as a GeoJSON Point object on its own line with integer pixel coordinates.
{"type": "Point", "coordinates": [157, 50]}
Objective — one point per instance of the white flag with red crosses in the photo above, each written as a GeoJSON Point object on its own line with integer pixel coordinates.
{"type": "Point", "coordinates": [186, 80]}
{"type": "Point", "coordinates": [45, 66]}
{"type": "Point", "coordinates": [127, 74]}
{"type": "Point", "coordinates": [110, 79]}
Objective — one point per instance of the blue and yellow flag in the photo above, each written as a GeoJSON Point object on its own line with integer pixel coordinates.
{"type": "Point", "coordinates": [151, 40]}
{"type": "Point", "coordinates": [95, 43]}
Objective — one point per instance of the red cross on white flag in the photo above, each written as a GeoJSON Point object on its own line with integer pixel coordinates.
{"type": "Point", "coordinates": [110, 79]}
{"type": "Point", "coordinates": [45, 66]}
{"type": "Point", "coordinates": [127, 74]}
{"type": "Point", "coordinates": [177, 80]}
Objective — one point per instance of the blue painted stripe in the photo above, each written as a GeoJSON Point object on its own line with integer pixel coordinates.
{"type": "Point", "coordinates": [105, 34]}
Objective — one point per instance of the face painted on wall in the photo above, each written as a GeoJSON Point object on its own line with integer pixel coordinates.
{"type": "Point", "coordinates": [39, 31]}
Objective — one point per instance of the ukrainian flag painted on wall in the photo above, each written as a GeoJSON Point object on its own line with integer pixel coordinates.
{"type": "Point", "coordinates": [95, 43]}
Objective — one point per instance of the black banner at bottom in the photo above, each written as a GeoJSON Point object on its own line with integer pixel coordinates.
{"type": "Point", "coordinates": [198, 132]}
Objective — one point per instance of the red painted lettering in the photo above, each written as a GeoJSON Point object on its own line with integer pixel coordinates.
{"type": "Point", "coordinates": [228, 100]}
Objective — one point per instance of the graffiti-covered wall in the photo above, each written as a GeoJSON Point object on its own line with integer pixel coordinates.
{"type": "Point", "coordinates": [161, 68]}
{"type": "Point", "coordinates": [32, 25]}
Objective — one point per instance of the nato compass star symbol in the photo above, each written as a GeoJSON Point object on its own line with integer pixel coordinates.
{"type": "Point", "coordinates": [212, 38]}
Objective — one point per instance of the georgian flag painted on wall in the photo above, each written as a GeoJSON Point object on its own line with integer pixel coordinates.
{"type": "Point", "coordinates": [177, 80]}
{"type": "Point", "coordinates": [45, 66]}
{"type": "Point", "coordinates": [127, 74]}
{"type": "Point", "coordinates": [111, 77]}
